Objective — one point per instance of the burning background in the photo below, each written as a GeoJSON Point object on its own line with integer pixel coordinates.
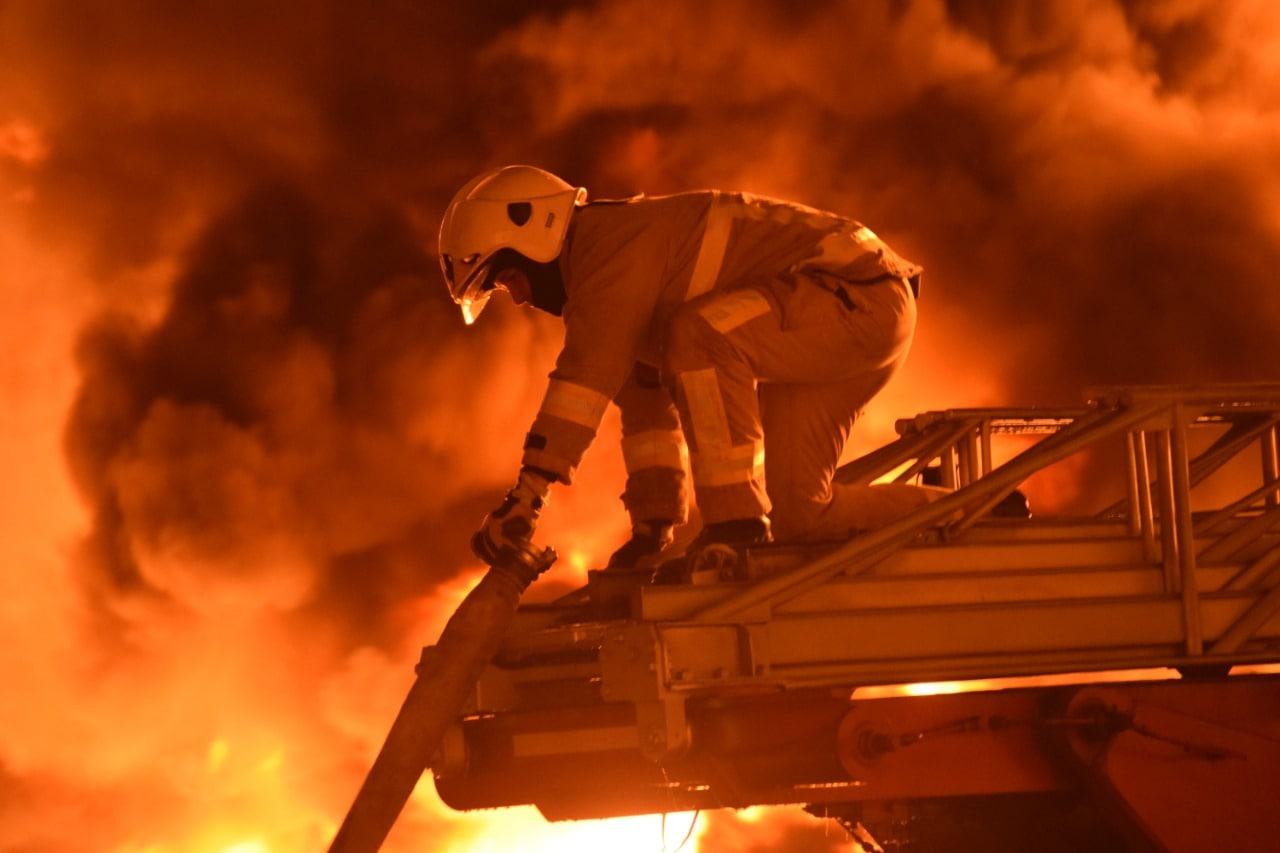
{"type": "Point", "coordinates": [245, 434]}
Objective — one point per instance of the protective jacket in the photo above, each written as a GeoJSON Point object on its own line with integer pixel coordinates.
{"type": "Point", "coordinates": [630, 266]}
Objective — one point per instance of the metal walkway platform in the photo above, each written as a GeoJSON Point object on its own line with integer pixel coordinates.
{"type": "Point", "coordinates": [650, 690]}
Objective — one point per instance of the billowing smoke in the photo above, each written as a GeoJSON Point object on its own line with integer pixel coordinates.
{"type": "Point", "coordinates": [219, 221]}
{"type": "Point", "coordinates": [1092, 187]}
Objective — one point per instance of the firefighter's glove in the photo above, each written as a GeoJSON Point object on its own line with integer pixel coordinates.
{"type": "Point", "coordinates": [508, 529]}
{"type": "Point", "coordinates": [648, 538]}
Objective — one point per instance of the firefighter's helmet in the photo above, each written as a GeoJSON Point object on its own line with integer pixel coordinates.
{"type": "Point", "coordinates": [521, 208]}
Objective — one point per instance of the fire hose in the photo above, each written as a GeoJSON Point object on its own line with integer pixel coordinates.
{"type": "Point", "coordinates": [445, 679]}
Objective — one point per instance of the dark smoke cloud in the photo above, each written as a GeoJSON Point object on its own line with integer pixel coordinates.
{"type": "Point", "coordinates": [304, 400]}
{"type": "Point", "coordinates": [1038, 157]}
{"type": "Point", "coordinates": [278, 406]}
{"type": "Point", "coordinates": [1091, 185]}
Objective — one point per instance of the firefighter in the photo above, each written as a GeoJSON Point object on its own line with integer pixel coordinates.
{"type": "Point", "coordinates": [740, 336]}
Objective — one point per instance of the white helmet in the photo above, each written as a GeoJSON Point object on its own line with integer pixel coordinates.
{"type": "Point", "coordinates": [517, 207]}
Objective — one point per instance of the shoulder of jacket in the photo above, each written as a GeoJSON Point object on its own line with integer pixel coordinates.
{"type": "Point", "coordinates": [604, 202]}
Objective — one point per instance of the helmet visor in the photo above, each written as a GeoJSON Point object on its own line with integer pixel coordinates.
{"type": "Point", "coordinates": [473, 292]}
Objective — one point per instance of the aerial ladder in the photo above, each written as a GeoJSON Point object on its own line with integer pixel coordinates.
{"type": "Point", "coordinates": [1107, 658]}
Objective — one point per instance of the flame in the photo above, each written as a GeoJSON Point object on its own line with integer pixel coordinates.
{"type": "Point", "coordinates": [523, 829]}
{"type": "Point", "coordinates": [243, 437]}
{"type": "Point", "coordinates": [942, 688]}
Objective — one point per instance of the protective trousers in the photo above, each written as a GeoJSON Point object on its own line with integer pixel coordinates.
{"type": "Point", "coordinates": [767, 396]}
{"type": "Point", "coordinates": [653, 449]}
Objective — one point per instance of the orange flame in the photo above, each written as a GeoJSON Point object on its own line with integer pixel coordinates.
{"type": "Point", "coordinates": [1093, 187]}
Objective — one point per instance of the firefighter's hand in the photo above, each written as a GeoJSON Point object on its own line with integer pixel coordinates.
{"type": "Point", "coordinates": [648, 538]}
{"type": "Point", "coordinates": [509, 528]}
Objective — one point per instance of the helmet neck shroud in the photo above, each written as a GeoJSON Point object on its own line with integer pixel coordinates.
{"type": "Point", "coordinates": [546, 284]}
